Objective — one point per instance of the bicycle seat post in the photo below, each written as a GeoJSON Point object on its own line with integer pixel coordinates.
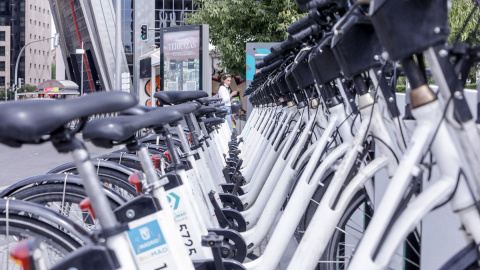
{"type": "Point", "coordinates": [98, 200]}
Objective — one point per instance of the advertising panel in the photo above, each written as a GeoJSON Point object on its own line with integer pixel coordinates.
{"type": "Point", "coordinates": [255, 53]}
{"type": "Point", "coordinates": [181, 58]}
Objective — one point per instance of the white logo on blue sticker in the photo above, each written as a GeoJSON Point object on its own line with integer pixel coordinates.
{"type": "Point", "coordinates": [146, 237]}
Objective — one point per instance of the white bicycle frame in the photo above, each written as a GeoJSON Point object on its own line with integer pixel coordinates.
{"type": "Point", "coordinates": [449, 165]}
{"type": "Point", "coordinates": [326, 216]}
{"type": "Point", "coordinates": [304, 189]}
{"type": "Point", "coordinates": [119, 243]}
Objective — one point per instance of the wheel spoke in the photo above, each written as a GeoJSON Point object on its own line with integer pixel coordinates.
{"type": "Point", "coordinates": [345, 232]}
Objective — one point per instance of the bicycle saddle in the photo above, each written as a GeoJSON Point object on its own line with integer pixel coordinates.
{"type": "Point", "coordinates": [27, 121]}
{"type": "Point", "coordinates": [207, 100]}
{"type": "Point", "coordinates": [187, 108]}
{"type": "Point", "coordinates": [137, 110]}
{"type": "Point", "coordinates": [221, 110]}
{"type": "Point", "coordinates": [204, 110]}
{"type": "Point", "coordinates": [106, 132]}
{"type": "Point", "coordinates": [177, 97]}
{"type": "Point", "coordinates": [218, 104]}
{"type": "Point", "coordinates": [213, 121]}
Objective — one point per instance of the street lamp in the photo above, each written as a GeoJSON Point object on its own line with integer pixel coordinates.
{"type": "Point", "coordinates": [6, 90]}
{"type": "Point", "coordinates": [82, 52]}
{"type": "Point", "coordinates": [56, 37]}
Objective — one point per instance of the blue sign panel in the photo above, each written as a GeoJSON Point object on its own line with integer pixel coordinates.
{"type": "Point", "coordinates": [146, 237]}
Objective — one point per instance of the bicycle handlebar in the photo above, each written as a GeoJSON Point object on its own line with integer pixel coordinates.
{"type": "Point", "coordinates": [267, 60]}
{"type": "Point", "coordinates": [312, 30]}
{"type": "Point", "coordinates": [273, 56]}
{"type": "Point", "coordinates": [266, 70]}
{"type": "Point", "coordinates": [305, 6]}
{"type": "Point", "coordinates": [312, 18]}
{"type": "Point", "coordinates": [298, 25]}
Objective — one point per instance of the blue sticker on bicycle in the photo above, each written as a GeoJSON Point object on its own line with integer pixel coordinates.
{"type": "Point", "coordinates": [146, 237]}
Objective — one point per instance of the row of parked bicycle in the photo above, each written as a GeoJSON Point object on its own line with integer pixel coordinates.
{"type": "Point", "coordinates": [188, 194]}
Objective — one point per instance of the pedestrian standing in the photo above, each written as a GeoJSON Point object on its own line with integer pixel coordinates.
{"type": "Point", "coordinates": [225, 93]}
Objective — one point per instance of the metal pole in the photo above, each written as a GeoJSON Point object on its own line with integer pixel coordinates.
{"type": "Point", "coordinates": [6, 91]}
{"type": "Point", "coordinates": [18, 61]}
{"type": "Point", "coordinates": [118, 42]}
{"type": "Point", "coordinates": [81, 75]}
{"type": "Point", "coordinates": [153, 86]}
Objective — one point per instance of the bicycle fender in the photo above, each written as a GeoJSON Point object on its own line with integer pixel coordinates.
{"type": "Point", "coordinates": [97, 163]}
{"type": "Point", "coordinates": [47, 214]}
{"type": "Point", "coordinates": [57, 178]}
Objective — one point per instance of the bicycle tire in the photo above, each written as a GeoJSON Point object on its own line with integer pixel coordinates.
{"type": "Point", "coordinates": [52, 195]}
{"type": "Point", "coordinates": [114, 179]}
{"type": "Point", "coordinates": [123, 158]}
{"type": "Point", "coordinates": [312, 207]}
{"type": "Point", "coordinates": [336, 250]}
{"type": "Point", "coordinates": [336, 254]}
{"type": "Point", "coordinates": [58, 243]}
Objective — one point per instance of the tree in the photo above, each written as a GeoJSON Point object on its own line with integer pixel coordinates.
{"type": "Point", "coordinates": [458, 15]}
{"type": "Point", "coordinates": [54, 71]}
{"type": "Point", "coordinates": [27, 88]}
{"type": "Point", "coordinates": [10, 93]}
{"type": "Point", "coordinates": [233, 23]}
{"type": "Point", "coordinates": [459, 12]}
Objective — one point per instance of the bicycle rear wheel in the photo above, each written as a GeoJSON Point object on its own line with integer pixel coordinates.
{"type": "Point", "coordinates": [58, 243]}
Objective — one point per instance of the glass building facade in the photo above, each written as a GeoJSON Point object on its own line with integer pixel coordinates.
{"type": "Point", "coordinates": [96, 29]}
{"type": "Point", "coordinates": [171, 13]}
{"type": "Point", "coordinates": [127, 13]}
{"type": "Point", "coordinates": [12, 13]}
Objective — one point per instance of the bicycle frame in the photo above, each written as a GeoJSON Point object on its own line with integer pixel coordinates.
{"type": "Point", "coordinates": [327, 215]}
{"type": "Point", "coordinates": [105, 215]}
{"type": "Point", "coordinates": [304, 190]}
{"type": "Point", "coordinates": [374, 253]}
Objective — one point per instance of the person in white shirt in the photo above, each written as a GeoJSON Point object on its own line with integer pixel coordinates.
{"type": "Point", "coordinates": [224, 93]}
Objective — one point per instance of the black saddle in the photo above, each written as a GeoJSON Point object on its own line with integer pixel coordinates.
{"type": "Point", "coordinates": [187, 108]}
{"type": "Point", "coordinates": [177, 97]}
{"type": "Point", "coordinates": [137, 110]}
{"type": "Point", "coordinates": [208, 100]}
{"type": "Point", "coordinates": [213, 121]}
{"type": "Point", "coordinates": [183, 108]}
{"type": "Point", "coordinates": [29, 120]}
{"type": "Point", "coordinates": [204, 110]}
{"type": "Point", "coordinates": [106, 132]}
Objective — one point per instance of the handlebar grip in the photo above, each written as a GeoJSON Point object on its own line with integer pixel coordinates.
{"type": "Point", "coordinates": [270, 58]}
{"type": "Point", "coordinates": [313, 17]}
{"type": "Point", "coordinates": [312, 30]}
{"type": "Point", "coordinates": [261, 64]}
{"type": "Point", "coordinates": [284, 46]}
{"type": "Point", "coordinates": [271, 67]}
{"type": "Point", "coordinates": [314, 4]}
{"type": "Point", "coordinates": [303, 2]}
{"type": "Point", "coordinates": [298, 25]}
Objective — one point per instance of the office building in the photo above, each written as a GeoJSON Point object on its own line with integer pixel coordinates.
{"type": "Point", "coordinates": [21, 22]}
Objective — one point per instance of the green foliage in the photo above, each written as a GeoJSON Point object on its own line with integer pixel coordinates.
{"type": "Point", "coordinates": [10, 93]}
{"type": "Point", "coordinates": [233, 23]}
{"type": "Point", "coordinates": [401, 88]}
{"type": "Point", "coordinates": [471, 86]}
{"type": "Point", "coordinates": [28, 88]}
{"type": "Point", "coordinates": [54, 71]}
{"type": "Point", "coordinates": [458, 15]}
